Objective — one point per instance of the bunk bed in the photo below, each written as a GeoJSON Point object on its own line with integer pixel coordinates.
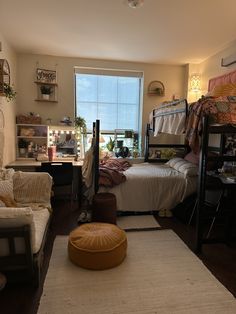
{"type": "Point", "coordinates": [213, 115]}
{"type": "Point", "coordinates": [228, 183]}
{"type": "Point", "coordinates": [159, 187]}
{"type": "Point", "coordinates": [168, 118]}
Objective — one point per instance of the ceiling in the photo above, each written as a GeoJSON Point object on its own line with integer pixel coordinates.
{"type": "Point", "coordinates": [161, 31]}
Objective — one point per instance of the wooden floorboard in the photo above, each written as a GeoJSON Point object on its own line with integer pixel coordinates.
{"type": "Point", "coordinates": [24, 299]}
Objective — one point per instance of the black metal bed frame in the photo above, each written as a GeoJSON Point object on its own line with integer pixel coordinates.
{"type": "Point", "coordinates": [202, 181]}
{"type": "Point", "coordinates": [150, 130]}
{"type": "Point", "coordinates": [96, 134]}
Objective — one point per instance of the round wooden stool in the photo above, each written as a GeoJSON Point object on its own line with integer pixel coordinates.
{"type": "Point", "coordinates": [104, 208]}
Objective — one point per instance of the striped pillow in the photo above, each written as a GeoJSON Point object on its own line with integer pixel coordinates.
{"type": "Point", "coordinates": [183, 166]}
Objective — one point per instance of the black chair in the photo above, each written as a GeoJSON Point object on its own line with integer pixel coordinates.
{"type": "Point", "coordinates": [62, 174]}
{"type": "Point", "coordinates": [214, 192]}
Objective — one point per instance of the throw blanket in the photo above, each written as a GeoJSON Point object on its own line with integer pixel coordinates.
{"type": "Point", "coordinates": [111, 172]}
{"type": "Point", "coordinates": [222, 112]}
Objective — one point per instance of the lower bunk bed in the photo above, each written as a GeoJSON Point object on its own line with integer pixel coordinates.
{"type": "Point", "coordinates": [155, 187]}
{"type": "Point", "coordinates": [143, 187]}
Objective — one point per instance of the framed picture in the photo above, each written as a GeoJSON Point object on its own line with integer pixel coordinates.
{"type": "Point", "coordinates": [46, 76]}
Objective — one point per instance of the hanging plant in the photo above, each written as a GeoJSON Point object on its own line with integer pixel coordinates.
{"type": "Point", "coordinates": [9, 92]}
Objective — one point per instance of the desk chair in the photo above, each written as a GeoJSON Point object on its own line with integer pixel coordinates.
{"type": "Point", "coordinates": [62, 174]}
{"type": "Point", "coordinates": [213, 197]}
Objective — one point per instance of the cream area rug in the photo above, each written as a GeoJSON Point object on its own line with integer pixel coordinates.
{"type": "Point", "coordinates": [137, 222]}
{"type": "Point", "coordinates": [160, 275]}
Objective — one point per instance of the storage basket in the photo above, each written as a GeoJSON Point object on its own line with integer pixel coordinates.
{"type": "Point", "coordinates": [21, 119]}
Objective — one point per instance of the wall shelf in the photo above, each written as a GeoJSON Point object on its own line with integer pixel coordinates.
{"type": "Point", "coordinates": [46, 100]}
{"type": "Point", "coordinates": [46, 85]}
{"type": "Point", "coordinates": [156, 88]}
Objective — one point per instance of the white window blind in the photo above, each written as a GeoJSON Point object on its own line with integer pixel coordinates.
{"type": "Point", "coordinates": [112, 96]}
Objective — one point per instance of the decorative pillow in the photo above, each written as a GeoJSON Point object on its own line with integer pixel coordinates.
{"type": "Point", "coordinates": [6, 174]}
{"type": "Point", "coordinates": [6, 201]}
{"type": "Point", "coordinates": [183, 166]}
{"type": "Point", "coordinates": [6, 188]}
{"type": "Point", "coordinates": [192, 157]}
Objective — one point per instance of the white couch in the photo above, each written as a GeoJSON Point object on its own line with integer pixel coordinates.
{"type": "Point", "coordinates": [23, 228]}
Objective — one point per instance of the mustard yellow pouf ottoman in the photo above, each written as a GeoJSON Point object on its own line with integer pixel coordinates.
{"type": "Point", "coordinates": [97, 246]}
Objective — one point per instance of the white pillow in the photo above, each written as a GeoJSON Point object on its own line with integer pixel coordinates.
{"type": "Point", "coordinates": [183, 166]}
{"type": "Point", "coordinates": [6, 188]}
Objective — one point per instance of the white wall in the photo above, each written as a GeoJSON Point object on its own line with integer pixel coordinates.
{"type": "Point", "coordinates": [8, 108]}
{"type": "Point", "coordinates": [173, 78]}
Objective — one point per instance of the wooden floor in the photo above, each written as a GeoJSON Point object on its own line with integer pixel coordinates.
{"type": "Point", "coordinates": [23, 299]}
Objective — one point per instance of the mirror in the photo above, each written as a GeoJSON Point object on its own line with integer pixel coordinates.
{"type": "Point", "coordinates": [64, 140]}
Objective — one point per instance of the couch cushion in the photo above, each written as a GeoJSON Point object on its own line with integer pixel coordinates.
{"type": "Point", "coordinates": [11, 217]}
{"type": "Point", "coordinates": [40, 218]}
{"type": "Point", "coordinates": [17, 217]}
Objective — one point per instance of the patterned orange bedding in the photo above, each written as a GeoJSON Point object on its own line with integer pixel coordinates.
{"type": "Point", "coordinates": [222, 112]}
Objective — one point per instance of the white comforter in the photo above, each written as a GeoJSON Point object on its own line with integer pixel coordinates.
{"type": "Point", "coordinates": [152, 187]}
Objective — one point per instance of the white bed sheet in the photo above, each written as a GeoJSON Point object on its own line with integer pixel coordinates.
{"type": "Point", "coordinates": [152, 187]}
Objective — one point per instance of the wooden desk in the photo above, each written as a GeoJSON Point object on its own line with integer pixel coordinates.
{"type": "Point", "coordinates": [33, 166]}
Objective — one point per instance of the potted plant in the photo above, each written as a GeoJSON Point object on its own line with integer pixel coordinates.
{"type": "Point", "coordinates": [9, 92]}
{"type": "Point", "coordinates": [110, 145]}
{"type": "Point", "coordinates": [46, 91]}
{"type": "Point", "coordinates": [80, 124]}
{"type": "Point", "coordinates": [22, 144]}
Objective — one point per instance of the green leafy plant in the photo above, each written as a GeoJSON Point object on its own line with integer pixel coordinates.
{"type": "Point", "coordinates": [110, 145]}
{"type": "Point", "coordinates": [81, 123]}
{"type": "Point", "coordinates": [9, 92]}
{"type": "Point", "coordinates": [46, 90]}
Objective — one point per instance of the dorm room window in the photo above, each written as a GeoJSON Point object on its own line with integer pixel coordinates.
{"type": "Point", "coordinates": [112, 96]}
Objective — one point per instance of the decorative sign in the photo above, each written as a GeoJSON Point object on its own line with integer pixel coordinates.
{"type": "Point", "coordinates": [225, 62]}
{"type": "Point", "coordinates": [46, 76]}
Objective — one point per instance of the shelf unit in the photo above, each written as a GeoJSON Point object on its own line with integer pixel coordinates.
{"type": "Point", "coordinates": [31, 139]}
{"type": "Point", "coordinates": [52, 97]}
{"type": "Point", "coordinates": [124, 138]}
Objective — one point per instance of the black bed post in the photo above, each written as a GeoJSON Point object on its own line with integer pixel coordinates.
{"type": "Point", "coordinates": [96, 131]}
{"type": "Point", "coordinates": [146, 151]}
{"type": "Point", "coordinates": [201, 184]}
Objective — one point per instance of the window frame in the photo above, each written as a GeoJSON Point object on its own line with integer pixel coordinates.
{"type": "Point", "coordinates": [113, 72]}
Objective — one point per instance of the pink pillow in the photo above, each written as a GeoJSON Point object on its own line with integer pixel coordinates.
{"type": "Point", "coordinates": [192, 157]}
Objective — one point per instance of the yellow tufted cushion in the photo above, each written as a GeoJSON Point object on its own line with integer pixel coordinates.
{"type": "Point", "coordinates": [97, 246]}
